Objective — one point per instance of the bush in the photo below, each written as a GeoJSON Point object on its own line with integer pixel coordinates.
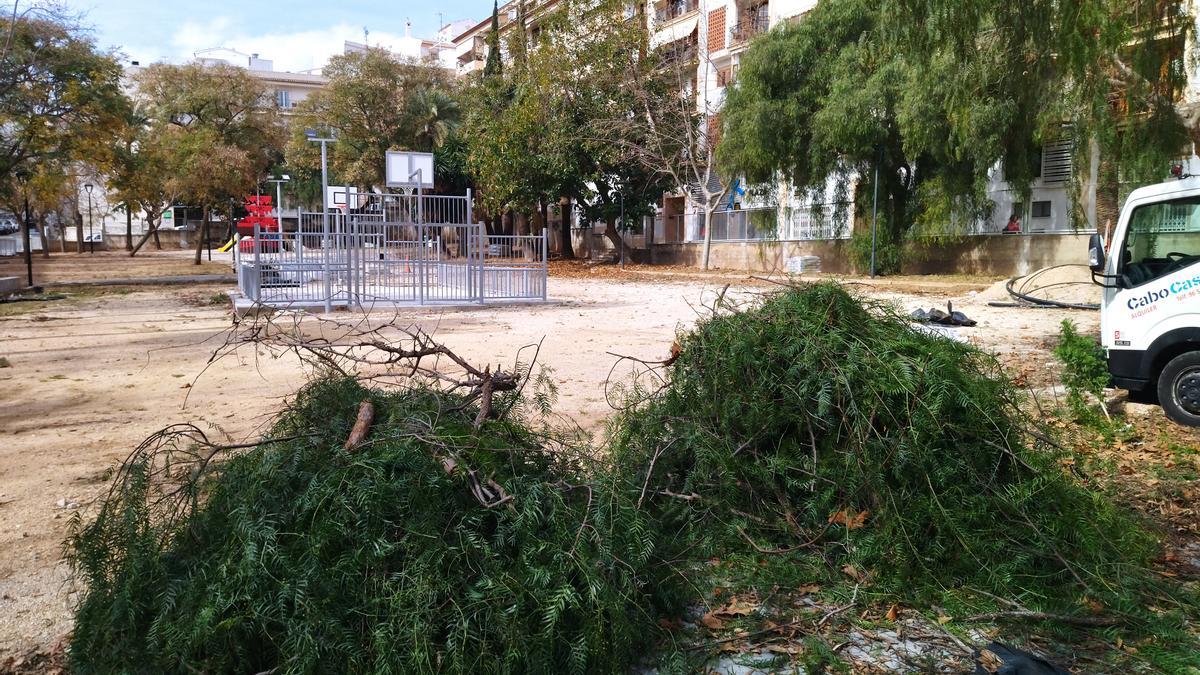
{"type": "Point", "coordinates": [889, 255]}
{"type": "Point", "coordinates": [300, 556]}
{"type": "Point", "coordinates": [1085, 372]}
{"type": "Point", "coordinates": [824, 423]}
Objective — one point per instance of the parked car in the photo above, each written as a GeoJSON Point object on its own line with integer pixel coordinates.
{"type": "Point", "coordinates": [9, 226]}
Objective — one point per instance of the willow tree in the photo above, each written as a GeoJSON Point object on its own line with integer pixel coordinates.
{"type": "Point", "coordinates": [932, 95]}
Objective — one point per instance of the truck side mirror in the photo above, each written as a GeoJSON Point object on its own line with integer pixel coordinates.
{"type": "Point", "coordinates": [1096, 253]}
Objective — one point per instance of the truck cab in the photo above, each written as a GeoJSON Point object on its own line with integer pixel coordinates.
{"type": "Point", "coordinates": [1150, 312]}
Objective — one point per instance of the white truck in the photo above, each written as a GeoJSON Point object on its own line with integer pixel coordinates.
{"type": "Point", "coordinates": [1150, 313]}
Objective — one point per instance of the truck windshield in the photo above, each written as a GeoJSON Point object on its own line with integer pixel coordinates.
{"type": "Point", "coordinates": [1162, 239]}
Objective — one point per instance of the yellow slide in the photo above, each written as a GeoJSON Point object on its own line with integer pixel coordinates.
{"type": "Point", "coordinates": [228, 245]}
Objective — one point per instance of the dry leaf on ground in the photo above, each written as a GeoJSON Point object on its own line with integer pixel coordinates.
{"type": "Point", "coordinates": [850, 518]}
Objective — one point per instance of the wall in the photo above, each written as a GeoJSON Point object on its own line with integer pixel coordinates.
{"type": "Point", "coordinates": [997, 255]}
{"type": "Point", "coordinates": [755, 256]}
{"type": "Point", "coordinates": [1003, 255]}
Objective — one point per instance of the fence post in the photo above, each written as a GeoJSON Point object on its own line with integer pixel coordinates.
{"type": "Point", "coordinates": [420, 261]}
{"type": "Point", "coordinates": [545, 265]}
{"type": "Point", "coordinates": [257, 266]}
{"type": "Point", "coordinates": [480, 231]}
{"type": "Point", "coordinates": [349, 243]}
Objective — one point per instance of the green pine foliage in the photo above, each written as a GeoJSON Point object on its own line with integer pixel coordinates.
{"type": "Point", "coordinates": [305, 558]}
{"type": "Point", "coordinates": [781, 422]}
{"type": "Point", "coordinates": [815, 430]}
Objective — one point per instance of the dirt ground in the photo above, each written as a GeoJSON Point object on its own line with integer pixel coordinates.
{"type": "Point", "coordinates": [91, 375]}
{"type": "Point", "coordinates": [66, 268]}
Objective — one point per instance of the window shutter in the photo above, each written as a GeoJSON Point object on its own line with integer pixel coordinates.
{"type": "Point", "coordinates": [1056, 161]}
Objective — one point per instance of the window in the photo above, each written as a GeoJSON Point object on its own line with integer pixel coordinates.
{"type": "Point", "coordinates": [1162, 239]}
{"type": "Point", "coordinates": [283, 98]}
{"type": "Point", "coordinates": [1040, 209]}
{"type": "Point", "coordinates": [725, 76]}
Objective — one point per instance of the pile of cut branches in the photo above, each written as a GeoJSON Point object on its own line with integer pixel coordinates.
{"type": "Point", "coordinates": [412, 529]}
{"type": "Point", "coordinates": [822, 422]}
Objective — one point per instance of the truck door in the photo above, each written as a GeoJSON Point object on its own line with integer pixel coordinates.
{"type": "Point", "coordinates": [1158, 288]}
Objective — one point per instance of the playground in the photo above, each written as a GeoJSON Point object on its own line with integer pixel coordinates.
{"type": "Point", "coordinates": [373, 249]}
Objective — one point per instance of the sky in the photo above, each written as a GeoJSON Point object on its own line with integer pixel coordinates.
{"type": "Point", "coordinates": [298, 35]}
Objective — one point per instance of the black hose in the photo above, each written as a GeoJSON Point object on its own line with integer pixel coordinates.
{"type": "Point", "coordinates": [1030, 300]}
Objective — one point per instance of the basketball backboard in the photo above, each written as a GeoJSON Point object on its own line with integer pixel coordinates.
{"type": "Point", "coordinates": [403, 166]}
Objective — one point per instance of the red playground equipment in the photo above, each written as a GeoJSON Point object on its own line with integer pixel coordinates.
{"type": "Point", "coordinates": [260, 207]}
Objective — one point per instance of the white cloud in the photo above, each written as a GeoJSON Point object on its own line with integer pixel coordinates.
{"type": "Point", "coordinates": [298, 51]}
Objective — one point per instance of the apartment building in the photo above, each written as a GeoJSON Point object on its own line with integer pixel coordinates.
{"type": "Point", "coordinates": [288, 89]}
{"type": "Point", "coordinates": [438, 50]}
{"type": "Point", "coordinates": [470, 45]}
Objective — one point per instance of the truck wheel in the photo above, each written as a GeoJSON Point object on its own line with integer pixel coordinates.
{"type": "Point", "coordinates": [1179, 389]}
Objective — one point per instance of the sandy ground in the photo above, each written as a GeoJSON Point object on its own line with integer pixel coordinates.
{"type": "Point", "coordinates": [92, 375]}
{"type": "Point", "coordinates": [72, 267]}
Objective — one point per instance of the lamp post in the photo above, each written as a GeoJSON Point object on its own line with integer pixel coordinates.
{"type": "Point", "coordinates": [87, 187]}
{"type": "Point", "coordinates": [283, 178]}
{"type": "Point", "coordinates": [621, 196]}
{"type": "Point", "coordinates": [313, 137]}
{"type": "Point", "coordinates": [24, 176]}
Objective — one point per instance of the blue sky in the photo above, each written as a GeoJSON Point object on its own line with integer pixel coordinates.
{"type": "Point", "coordinates": [297, 35]}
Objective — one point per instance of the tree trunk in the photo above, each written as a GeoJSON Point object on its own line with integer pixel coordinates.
{"type": "Point", "coordinates": [708, 211]}
{"type": "Point", "coordinates": [41, 226]}
{"type": "Point", "coordinates": [614, 236]}
{"type": "Point", "coordinates": [128, 228]}
{"type": "Point", "coordinates": [202, 235]}
{"type": "Point", "coordinates": [568, 248]}
{"type": "Point", "coordinates": [151, 231]}
{"type": "Point", "coordinates": [28, 245]}
{"type": "Point", "coordinates": [78, 232]}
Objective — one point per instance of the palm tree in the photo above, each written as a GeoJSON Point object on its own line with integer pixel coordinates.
{"type": "Point", "coordinates": [435, 116]}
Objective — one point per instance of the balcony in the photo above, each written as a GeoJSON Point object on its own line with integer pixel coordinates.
{"type": "Point", "coordinates": [673, 9]}
{"type": "Point", "coordinates": [477, 52]}
{"type": "Point", "coordinates": [752, 23]}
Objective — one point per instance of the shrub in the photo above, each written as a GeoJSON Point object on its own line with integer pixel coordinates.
{"type": "Point", "coordinates": [1085, 373]}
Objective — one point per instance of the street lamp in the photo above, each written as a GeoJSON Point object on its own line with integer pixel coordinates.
{"type": "Point", "coordinates": [283, 178]}
{"type": "Point", "coordinates": [87, 187]}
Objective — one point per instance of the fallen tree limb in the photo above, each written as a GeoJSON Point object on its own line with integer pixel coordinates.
{"type": "Point", "coordinates": [1043, 616]}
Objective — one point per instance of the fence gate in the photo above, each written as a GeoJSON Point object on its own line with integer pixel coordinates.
{"type": "Point", "coordinates": [397, 249]}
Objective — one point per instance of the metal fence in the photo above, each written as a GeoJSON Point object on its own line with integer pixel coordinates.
{"type": "Point", "coordinates": [388, 250]}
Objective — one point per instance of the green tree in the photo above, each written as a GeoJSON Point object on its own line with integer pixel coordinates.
{"type": "Point", "coordinates": [533, 135]}
{"type": "Point", "coordinates": [493, 67]}
{"type": "Point", "coordinates": [660, 125]}
{"type": "Point", "coordinates": [375, 102]}
{"type": "Point", "coordinates": [60, 103]}
{"type": "Point", "coordinates": [934, 95]}
{"type": "Point", "coordinates": [215, 133]}
{"type": "Point", "coordinates": [815, 103]}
